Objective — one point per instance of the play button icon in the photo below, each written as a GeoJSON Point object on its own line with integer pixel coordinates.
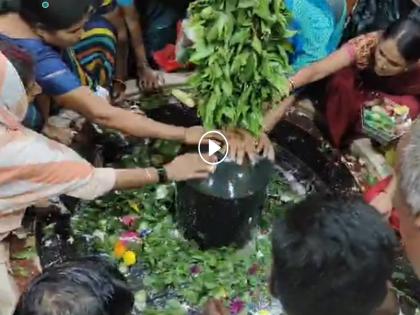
{"type": "Point", "coordinates": [213, 146]}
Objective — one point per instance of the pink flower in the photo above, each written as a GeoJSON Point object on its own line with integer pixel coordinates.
{"type": "Point", "coordinates": [129, 237]}
{"type": "Point", "coordinates": [237, 306]}
{"type": "Point", "coordinates": [129, 220]}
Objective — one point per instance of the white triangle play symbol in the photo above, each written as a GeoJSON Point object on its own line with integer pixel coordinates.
{"type": "Point", "coordinates": [213, 147]}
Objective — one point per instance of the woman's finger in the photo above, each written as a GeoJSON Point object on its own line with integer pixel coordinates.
{"type": "Point", "coordinates": [161, 80]}
{"type": "Point", "coordinates": [209, 169]}
{"type": "Point", "coordinates": [266, 151]}
{"type": "Point", "coordinates": [199, 175]}
{"type": "Point", "coordinates": [251, 155]}
{"type": "Point", "coordinates": [240, 155]}
{"type": "Point", "coordinates": [142, 84]}
{"type": "Point", "coordinates": [235, 152]}
{"type": "Point", "coordinates": [232, 149]}
{"type": "Point", "coordinates": [147, 85]}
{"type": "Point", "coordinates": [212, 159]}
{"type": "Point", "coordinates": [260, 146]}
{"type": "Point", "coordinates": [272, 154]}
{"type": "Point", "coordinates": [156, 83]}
{"type": "Point", "coordinates": [150, 85]}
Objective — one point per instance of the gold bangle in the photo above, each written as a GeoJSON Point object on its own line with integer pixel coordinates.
{"type": "Point", "coordinates": [292, 85]}
{"type": "Point", "coordinates": [149, 176]}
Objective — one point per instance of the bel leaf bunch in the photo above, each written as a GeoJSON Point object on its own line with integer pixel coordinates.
{"type": "Point", "coordinates": [241, 55]}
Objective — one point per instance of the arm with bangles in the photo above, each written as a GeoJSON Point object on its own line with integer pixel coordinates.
{"type": "Point", "coordinates": [182, 168]}
{"type": "Point", "coordinates": [313, 73]}
{"type": "Point", "coordinates": [98, 110]}
{"type": "Point", "coordinates": [60, 170]}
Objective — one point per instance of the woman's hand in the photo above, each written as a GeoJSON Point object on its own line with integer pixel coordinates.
{"type": "Point", "coordinates": [266, 147]}
{"type": "Point", "coordinates": [241, 144]}
{"type": "Point", "coordinates": [274, 115]}
{"type": "Point", "coordinates": [189, 166]}
{"type": "Point", "coordinates": [149, 80]}
{"type": "Point", "coordinates": [215, 307]}
{"type": "Point", "coordinates": [193, 136]}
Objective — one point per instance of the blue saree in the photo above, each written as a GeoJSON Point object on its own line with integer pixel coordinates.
{"type": "Point", "coordinates": [319, 25]}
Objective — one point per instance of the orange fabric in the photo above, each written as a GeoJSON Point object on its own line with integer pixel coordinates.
{"type": "Point", "coordinates": [48, 173]}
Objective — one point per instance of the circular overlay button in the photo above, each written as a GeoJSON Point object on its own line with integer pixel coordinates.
{"type": "Point", "coordinates": [213, 146]}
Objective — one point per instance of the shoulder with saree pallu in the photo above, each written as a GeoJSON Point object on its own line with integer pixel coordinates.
{"type": "Point", "coordinates": [361, 49]}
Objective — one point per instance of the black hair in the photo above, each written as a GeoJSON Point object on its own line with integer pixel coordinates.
{"type": "Point", "coordinates": [90, 286]}
{"type": "Point", "coordinates": [331, 256]}
{"type": "Point", "coordinates": [7, 6]}
{"type": "Point", "coordinates": [407, 34]}
{"type": "Point", "coordinates": [54, 15]}
{"type": "Point", "coordinates": [21, 61]}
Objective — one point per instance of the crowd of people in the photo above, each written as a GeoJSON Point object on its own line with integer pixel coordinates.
{"type": "Point", "coordinates": [64, 65]}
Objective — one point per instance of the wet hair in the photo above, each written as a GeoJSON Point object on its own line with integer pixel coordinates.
{"type": "Point", "coordinates": [406, 32]}
{"type": "Point", "coordinates": [331, 256]}
{"type": "Point", "coordinates": [91, 286]}
{"type": "Point", "coordinates": [21, 61]}
{"type": "Point", "coordinates": [54, 15]}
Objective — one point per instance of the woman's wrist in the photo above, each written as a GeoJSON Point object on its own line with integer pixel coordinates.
{"type": "Point", "coordinates": [292, 85]}
{"type": "Point", "coordinates": [173, 133]}
{"type": "Point", "coordinates": [181, 134]}
{"type": "Point", "coordinates": [142, 64]}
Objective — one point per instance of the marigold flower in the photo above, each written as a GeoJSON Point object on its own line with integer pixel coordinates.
{"type": "Point", "coordinates": [129, 258]}
{"type": "Point", "coordinates": [119, 249]}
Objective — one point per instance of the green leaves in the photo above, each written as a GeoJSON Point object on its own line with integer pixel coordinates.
{"type": "Point", "coordinates": [263, 10]}
{"type": "Point", "coordinates": [202, 53]}
{"type": "Point", "coordinates": [239, 48]}
{"type": "Point", "coordinates": [256, 44]}
{"type": "Point", "coordinates": [247, 4]}
{"type": "Point", "coordinates": [175, 264]}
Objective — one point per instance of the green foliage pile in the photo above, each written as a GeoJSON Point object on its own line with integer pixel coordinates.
{"type": "Point", "coordinates": [240, 53]}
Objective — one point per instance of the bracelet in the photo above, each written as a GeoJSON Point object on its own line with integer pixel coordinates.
{"type": "Point", "coordinates": [149, 176]}
{"type": "Point", "coordinates": [163, 175]}
{"type": "Point", "coordinates": [292, 85]}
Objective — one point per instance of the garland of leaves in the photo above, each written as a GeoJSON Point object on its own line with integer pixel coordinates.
{"type": "Point", "coordinates": [241, 56]}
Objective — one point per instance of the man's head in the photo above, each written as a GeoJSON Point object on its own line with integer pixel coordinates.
{"type": "Point", "coordinates": [407, 197]}
{"type": "Point", "coordinates": [408, 170]}
{"type": "Point", "coordinates": [331, 256]}
{"type": "Point", "coordinates": [86, 287]}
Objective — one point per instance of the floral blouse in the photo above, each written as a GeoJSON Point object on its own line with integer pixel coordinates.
{"type": "Point", "coordinates": [361, 49]}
